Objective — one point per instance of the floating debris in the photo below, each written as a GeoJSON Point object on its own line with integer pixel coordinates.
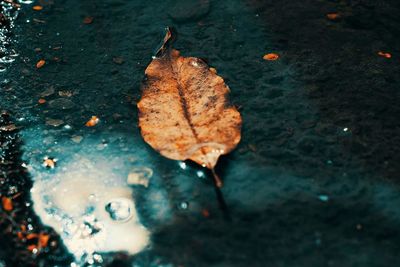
{"type": "Point", "coordinates": [65, 93]}
{"type": "Point", "coordinates": [140, 176]}
{"type": "Point", "coordinates": [37, 8]}
{"type": "Point", "coordinates": [93, 121]}
{"type": "Point", "coordinates": [40, 63]}
{"type": "Point", "coordinates": [334, 16]}
{"type": "Point", "coordinates": [88, 20]}
{"type": "Point", "coordinates": [271, 57]}
{"type": "Point", "coordinates": [49, 163]}
{"type": "Point", "coordinates": [9, 128]}
{"type": "Point", "coordinates": [205, 213]}
{"type": "Point", "coordinates": [385, 54]}
{"type": "Point", "coordinates": [42, 101]}
{"type": "Point", "coordinates": [7, 203]}
{"type": "Point", "coordinates": [118, 60]}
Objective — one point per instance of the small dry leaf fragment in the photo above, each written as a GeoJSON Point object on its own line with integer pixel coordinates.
{"type": "Point", "coordinates": [205, 213]}
{"type": "Point", "coordinates": [42, 101]}
{"type": "Point", "coordinates": [37, 8]}
{"type": "Point", "coordinates": [140, 176]}
{"type": "Point", "coordinates": [88, 20]}
{"type": "Point", "coordinates": [7, 203]}
{"type": "Point", "coordinates": [92, 122]}
{"type": "Point", "coordinates": [32, 248]}
{"type": "Point", "coordinates": [384, 54]}
{"type": "Point", "coordinates": [271, 56]}
{"type": "Point", "coordinates": [31, 236]}
{"type": "Point", "coordinates": [118, 60]}
{"type": "Point", "coordinates": [40, 63]}
{"type": "Point", "coordinates": [65, 93]}
{"type": "Point", "coordinates": [184, 112]}
{"type": "Point", "coordinates": [9, 128]}
{"type": "Point", "coordinates": [49, 163]}
{"type": "Point", "coordinates": [43, 240]}
{"type": "Point", "coordinates": [333, 16]}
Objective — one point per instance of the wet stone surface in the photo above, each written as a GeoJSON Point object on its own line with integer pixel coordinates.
{"type": "Point", "coordinates": [314, 181]}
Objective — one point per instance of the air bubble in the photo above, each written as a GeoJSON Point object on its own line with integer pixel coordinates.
{"type": "Point", "coordinates": [119, 209]}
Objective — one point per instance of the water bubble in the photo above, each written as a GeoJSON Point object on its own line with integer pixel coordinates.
{"type": "Point", "coordinates": [3, 68]}
{"type": "Point", "coordinates": [323, 198]}
{"type": "Point", "coordinates": [182, 165]}
{"type": "Point", "coordinates": [200, 174]}
{"type": "Point", "coordinates": [183, 205]}
{"type": "Point", "coordinates": [119, 209]}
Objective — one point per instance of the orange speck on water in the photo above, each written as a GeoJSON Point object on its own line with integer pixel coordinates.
{"type": "Point", "coordinates": [42, 101]}
{"type": "Point", "coordinates": [43, 240]}
{"type": "Point", "coordinates": [37, 8]}
{"type": "Point", "coordinates": [31, 236]}
{"type": "Point", "coordinates": [40, 63]}
{"type": "Point", "coordinates": [333, 16]}
{"type": "Point", "coordinates": [20, 235]}
{"type": "Point", "coordinates": [271, 56]}
{"type": "Point", "coordinates": [32, 247]}
{"type": "Point", "coordinates": [88, 20]}
{"type": "Point", "coordinates": [50, 163]}
{"type": "Point", "coordinates": [7, 203]}
{"type": "Point", "coordinates": [92, 122]}
{"type": "Point", "coordinates": [384, 54]}
{"type": "Point", "coordinates": [205, 213]}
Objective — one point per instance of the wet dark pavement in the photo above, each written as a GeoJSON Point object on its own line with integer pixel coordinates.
{"type": "Point", "coordinates": [314, 181]}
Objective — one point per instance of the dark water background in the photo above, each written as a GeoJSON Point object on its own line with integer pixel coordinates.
{"type": "Point", "coordinates": [314, 181]}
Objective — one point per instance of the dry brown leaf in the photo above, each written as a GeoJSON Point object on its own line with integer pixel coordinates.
{"type": "Point", "coordinates": [184, 111]}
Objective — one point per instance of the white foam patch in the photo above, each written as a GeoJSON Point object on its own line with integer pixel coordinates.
{"type": "Point", "coordinates": [74, 200]}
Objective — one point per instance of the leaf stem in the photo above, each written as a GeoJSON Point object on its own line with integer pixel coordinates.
{"type": "Point", "coordinates": [217, 180]}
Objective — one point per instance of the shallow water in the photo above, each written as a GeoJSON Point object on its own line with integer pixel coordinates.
{"type": "Point", "coordinates": [299, 189]}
